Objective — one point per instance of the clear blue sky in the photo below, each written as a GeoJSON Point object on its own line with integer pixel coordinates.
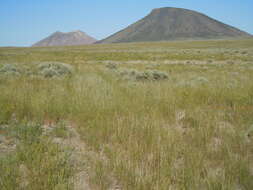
{"type": "Point", "coordinates": [23, 22]}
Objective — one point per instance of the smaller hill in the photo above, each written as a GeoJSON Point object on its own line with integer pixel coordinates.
{"type": "Point", "coordinates": [66, 39]}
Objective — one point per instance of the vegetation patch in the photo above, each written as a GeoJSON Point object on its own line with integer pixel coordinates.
{"type": "Point", "coordinates": [148, 75]}
{"type": "Point", "coordinates": [54, 69]}
{"type": "Point", "coordinates": [36, 163]}
{"type": "Point", "coordinates": [60, 131]}
{"type": "Point", "coordinates": [44, 69]}
{"type": "Point", "coordinates": [9, 70]}
{"type": "Point", "coordinates": [195, 82]}
{"type": "Point", "coordinates": [124, 134]}
{"type": "Point", "coordinates": [111, 65]}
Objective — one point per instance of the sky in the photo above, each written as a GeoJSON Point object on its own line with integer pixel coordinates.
{"type": "Point", "coordinates": [24, 22]}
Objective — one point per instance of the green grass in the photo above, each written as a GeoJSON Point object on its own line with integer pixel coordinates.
{"type": "Point", "coordinates": [60, 130]}
{"type": "Point", "coordinates": [37, 163]}
{"type": "Point", "coordinates": [190, 131]}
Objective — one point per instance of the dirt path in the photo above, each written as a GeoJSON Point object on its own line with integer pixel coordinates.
{"type": "Point", "coordinates": [79, 155]}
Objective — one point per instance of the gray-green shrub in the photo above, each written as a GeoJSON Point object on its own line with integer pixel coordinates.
{"type": "Point", "coordinates": [54, 69]}
{"type": "Point", "coordinates": [148, 75]}
{"type": "Point", "coordinates": [9, 70]}
{"type": "Point", "coordinates": [111, 65]}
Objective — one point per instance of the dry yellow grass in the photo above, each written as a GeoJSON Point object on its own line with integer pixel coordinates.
{"type": "Point", "coordinates": [190, 131]}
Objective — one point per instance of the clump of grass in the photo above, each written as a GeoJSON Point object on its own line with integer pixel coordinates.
{"type": "Point", "coordinates": [9, 172]}
{"type": "Point", "coordinates": [60, 130]}
{"type": "Point", "coordinates": [230, 62]}
{"type": "Point", "coordinates": [54, 69]}
{"type": "Point", "coordinates": [37, 163]}
{"type": "Point", "coordinates": [249, 134]}
{"type": "Point", "coordinates": [195, 82]}
{"type": "Point", "coordinates": [25, 133]}
{"type": "Point", "coordinates": [200, 80]}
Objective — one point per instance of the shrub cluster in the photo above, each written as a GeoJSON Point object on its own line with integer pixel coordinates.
{"type": "Point", "coordinates": [54, 69]}
{"type": "Point", "coordinates": [194, 82]}
{"type": "Point", "coordinates": [46, 69]}
{"type": "Point", "coordinates": [200, 80]}
{"type": "Point", "coordinates": [149, 75]}
{"type": "Point", "coordinates": [9, 70]}
{"type": "Point", "coordinates": [111, 65]}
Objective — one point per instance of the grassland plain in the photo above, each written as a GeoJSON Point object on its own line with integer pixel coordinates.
{"type": "Point", "coordinates": [168, 115]}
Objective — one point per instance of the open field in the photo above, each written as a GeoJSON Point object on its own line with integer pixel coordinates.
{"type": "Point", "coordinates": [140, 116]}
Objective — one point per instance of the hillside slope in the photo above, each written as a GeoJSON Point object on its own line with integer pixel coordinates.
{"type": "Point", "coordinates": [174, 24]}
{"type": "Point", "coordinates": [66, 39]}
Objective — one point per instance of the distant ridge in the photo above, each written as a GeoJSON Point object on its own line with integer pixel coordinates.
{"type": "Point", "coordinates": [66, 39]}
{"type": "Point", "coordinates": [169, 23]}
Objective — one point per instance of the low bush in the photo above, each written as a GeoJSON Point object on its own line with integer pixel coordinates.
{"type": "Point", "coordinates": [149, 75]}
{"type": "Point", "coordinates": [195, 82]}
{"type": "Point", "coordinates": [9, 69]}
{"type": "Point", "coordinates": [46, 69]}
{"type": "Point", "coordinates": [156, 75]}
{"type": "Point", "coordinates": [111, 65]}
{"type": "Point", "coordinates": [54, 69]}
{"type": "Point", "coordinates": [200, 80]}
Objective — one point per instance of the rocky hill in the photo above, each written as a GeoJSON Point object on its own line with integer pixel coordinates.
{"type": "Point", "coordinates": [167, 23]}
{"type": "Point", "coordinates": [66, 39]}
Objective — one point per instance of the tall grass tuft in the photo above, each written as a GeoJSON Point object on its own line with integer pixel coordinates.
{"type": "Point", "coordinates": [36, 163]}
